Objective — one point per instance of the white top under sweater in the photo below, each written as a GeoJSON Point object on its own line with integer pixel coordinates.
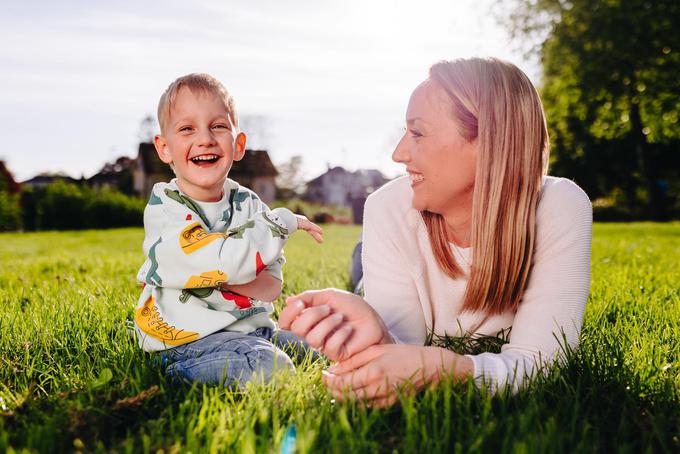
{"type": "Point", "coordinates": [414, 296]}
{"type": "Point", "coordinates": [193, 250]}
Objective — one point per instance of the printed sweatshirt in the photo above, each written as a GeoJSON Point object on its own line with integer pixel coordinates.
{"type": "Point", "coordinates": [193, 250]}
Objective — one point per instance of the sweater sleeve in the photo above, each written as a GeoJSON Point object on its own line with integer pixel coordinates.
{"type": "Point", "coordinates": [548, 319]}
{"type": "Point", "coordinates": [388, 285]}
{"type": "Point", "coordinates": [183, 253]}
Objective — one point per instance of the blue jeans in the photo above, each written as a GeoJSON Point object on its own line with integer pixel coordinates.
{"type": "Point", "coordinates": [230, 358]}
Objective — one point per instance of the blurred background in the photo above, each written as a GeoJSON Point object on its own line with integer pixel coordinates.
{"type": "Point", "coordinates": [321, 89]}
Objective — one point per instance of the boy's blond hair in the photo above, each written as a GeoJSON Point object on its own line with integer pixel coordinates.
{"type": "Point", "coordinates": [197, 83]}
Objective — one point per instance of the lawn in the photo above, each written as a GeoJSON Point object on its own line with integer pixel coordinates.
{"type": "Point", "coordinates": [71, 379]}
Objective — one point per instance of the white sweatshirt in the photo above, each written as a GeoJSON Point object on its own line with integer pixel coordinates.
{"type": "Point", "coordinates": [193, 250]}
{"type": "Point", "coordinates": [414, 296]}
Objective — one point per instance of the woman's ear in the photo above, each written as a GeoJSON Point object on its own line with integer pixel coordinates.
{"type": "Point", "coordinates": [240, 143]}
{"type": "Point", "coordinates": [162, 149]}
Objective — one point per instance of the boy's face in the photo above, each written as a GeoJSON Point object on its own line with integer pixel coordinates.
{"type": "Point", "coordinates": [201, 143]}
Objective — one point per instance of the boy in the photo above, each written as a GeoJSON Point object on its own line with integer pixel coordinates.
{"type": "Point", "coordinates": [214, 250]}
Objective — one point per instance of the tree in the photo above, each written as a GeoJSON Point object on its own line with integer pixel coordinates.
{"type": "Point", "coordinates": [610, 89]}
{"type": "Point", "coordinates": [290, 182]}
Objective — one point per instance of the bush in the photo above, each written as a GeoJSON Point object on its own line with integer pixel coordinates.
{"type": "Point", "coordinates": [67, 206]}
{"type": "Point", "coordinates": [10, 212]}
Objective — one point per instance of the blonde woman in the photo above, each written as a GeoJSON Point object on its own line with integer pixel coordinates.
{"type": "Point", "coordinates": [477, 240]}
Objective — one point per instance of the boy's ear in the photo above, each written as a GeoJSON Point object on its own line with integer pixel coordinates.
{"type": "Point", "coordinates": [162, 149]}
{"type": "Point", "coordinates": [240, 150]}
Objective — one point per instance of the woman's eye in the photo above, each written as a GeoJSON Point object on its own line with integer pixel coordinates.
{"type": "Point", "coordinates": [414, 133]}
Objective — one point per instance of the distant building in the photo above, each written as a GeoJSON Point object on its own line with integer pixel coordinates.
{"type": "Point", "coordinates": [339, 186]}
{"type": "Point", "coordinates": [7, 182]}
{"type": "Point", "coordinates": [255, 171]}
{"type": "Point", "coordinates": [148, 169]}
{"type": "Point", "coordinates": [115, 175]}
{"type": "Point", "coordinates": [42, 180]}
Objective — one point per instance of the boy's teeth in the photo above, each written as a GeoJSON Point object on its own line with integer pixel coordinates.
{"type": "Point", "coordinates": [210, 157]}
{"type": "Point", "coordinates": [415, 177]}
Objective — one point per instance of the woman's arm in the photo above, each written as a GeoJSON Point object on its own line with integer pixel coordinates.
{"type": "Point", "coordinates": [552, 307]}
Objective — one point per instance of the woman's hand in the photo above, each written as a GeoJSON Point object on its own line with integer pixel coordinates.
{"type": "Point", "coordinates": [376, 374]}
{"type": "Point", "coordinates": [308, 226]}
{"type": "Point", "coordinates": [337, 323]}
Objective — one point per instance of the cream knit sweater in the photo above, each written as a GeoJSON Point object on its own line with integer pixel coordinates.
{"type": "Point", "coordinates": [414, 297]}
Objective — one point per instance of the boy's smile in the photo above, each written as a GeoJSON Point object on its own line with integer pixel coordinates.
{"type": "Point", "coordinates": [201, 143]}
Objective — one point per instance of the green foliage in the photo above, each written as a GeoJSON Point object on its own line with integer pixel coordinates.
{"type": "Point", "coordinates": [10, 212]}
{"type": "Point", "coordinates": [72, 379]}
{"type": "Point", "coordinates": [65, 206]}
{"type": "Point", "coordinates": [610, 90]}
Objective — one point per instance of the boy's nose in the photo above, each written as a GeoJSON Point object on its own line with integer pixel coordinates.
{"type": "Point", "coordinates": [206, 137]}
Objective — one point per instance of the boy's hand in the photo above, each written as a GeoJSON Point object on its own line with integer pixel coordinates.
{"type": "Point", "coordinates": [308, 226]}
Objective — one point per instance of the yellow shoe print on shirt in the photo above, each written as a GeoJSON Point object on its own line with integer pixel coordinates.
{"type": "Point", "coordinates": [207, 279]}
{"type": "Point", "coordinates": [194, 237]}
{"type": "Point", "coordinates": [149, 320]}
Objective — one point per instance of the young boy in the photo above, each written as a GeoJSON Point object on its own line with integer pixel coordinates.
{"type": "Point", "coordinates": [214, 250]}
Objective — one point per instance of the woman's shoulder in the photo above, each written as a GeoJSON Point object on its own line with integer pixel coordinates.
{"type": "Point", "coordinates": [562, 195]}
{"type": "Point", "coordinates": [393, 199]}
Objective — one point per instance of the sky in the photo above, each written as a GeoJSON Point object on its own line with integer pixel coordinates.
{"type": "Point", "coordinates": [327, 80]}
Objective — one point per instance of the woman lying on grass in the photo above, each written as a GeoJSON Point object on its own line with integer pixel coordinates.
{"type": "Point", "coordinates": [477, 240]}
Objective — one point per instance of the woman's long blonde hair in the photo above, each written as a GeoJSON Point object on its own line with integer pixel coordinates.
{"type": "Point", "coordinates": [495, 103]}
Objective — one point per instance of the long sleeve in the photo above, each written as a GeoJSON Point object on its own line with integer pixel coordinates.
{"type": "Point", "coordinates": [183, 253]}
{"type": "Point", "coordinates": [554, 300]}
{"type": "Point", "coordinates": [389, 286]}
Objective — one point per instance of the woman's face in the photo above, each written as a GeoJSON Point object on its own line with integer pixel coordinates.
{"type": "Point", "coordinates": [439, 161]}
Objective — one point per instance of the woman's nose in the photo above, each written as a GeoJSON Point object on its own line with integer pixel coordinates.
{"type": "Point", "coordinates": [401, 153]}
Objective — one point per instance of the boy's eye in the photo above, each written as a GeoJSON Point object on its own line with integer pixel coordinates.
{"type": "Point", "coordinates": [185, 129]}
{"type": "Point", "coordinates": [414, 133]}
{"type": "Point", "coordinates": [220, 126]}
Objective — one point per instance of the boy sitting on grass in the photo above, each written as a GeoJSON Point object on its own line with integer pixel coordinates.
{"type": "Point", "coordinates": [214, 249]}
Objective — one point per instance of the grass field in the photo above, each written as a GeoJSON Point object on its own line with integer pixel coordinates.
{"type": "Point", "coordinates": [71, 379]}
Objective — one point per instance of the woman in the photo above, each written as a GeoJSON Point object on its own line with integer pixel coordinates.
{"type": "Point", "coordinates": [476, 240]}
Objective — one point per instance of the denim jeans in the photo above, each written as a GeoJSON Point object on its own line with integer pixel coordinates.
{"type": "Point", "coordinates": [230, 358]}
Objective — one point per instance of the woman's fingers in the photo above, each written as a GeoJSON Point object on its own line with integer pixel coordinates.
{"type": "Point", "coordinates": [293, 309]}
{"type": "Point", "coordinates": [335, 346]}
{"type": "Point", "coordinates": [308, 319]}
{"type": "Point", "coordinates": [356, 361]}
{"type": "Point", "coordinates": [316, 337]}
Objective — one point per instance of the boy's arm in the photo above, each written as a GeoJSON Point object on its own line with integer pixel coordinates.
{"type": "Point", "coordinates": [186, 255]}
{"type": "Point", "coordinates": [265, 287]}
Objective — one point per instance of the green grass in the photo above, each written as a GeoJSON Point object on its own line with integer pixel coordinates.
{"type": "Point", "coordinates": [71, 378]}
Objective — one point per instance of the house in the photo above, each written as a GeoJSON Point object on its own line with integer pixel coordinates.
{"type": "Point", "coordinates": [255, 171]}
{"type": "Point", "coordinates": [46, 178]}
{"type": "Point", "coordinates": [148, 170]}
{"type": "Point", "coordinates": [115, 175]}
{"type": "Point", "coordinates": [343, 188]}
{"type": "Point", "coordinates": [7, 182]}
{"type": "Point", "coordinates": [339, 186]}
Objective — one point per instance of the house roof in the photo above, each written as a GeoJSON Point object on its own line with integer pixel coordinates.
{"type": "Point", "coordinates": [255, 163]}
{"type": "Point", "coordinates": [12, 186]}
{"type": "Point", "coordinates": [47, 178]}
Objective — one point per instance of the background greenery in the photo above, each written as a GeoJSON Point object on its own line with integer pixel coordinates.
{"type": "Point", "coordinates": [71, 378]}
{"type": "Point", "coordinates": [610, 89]}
